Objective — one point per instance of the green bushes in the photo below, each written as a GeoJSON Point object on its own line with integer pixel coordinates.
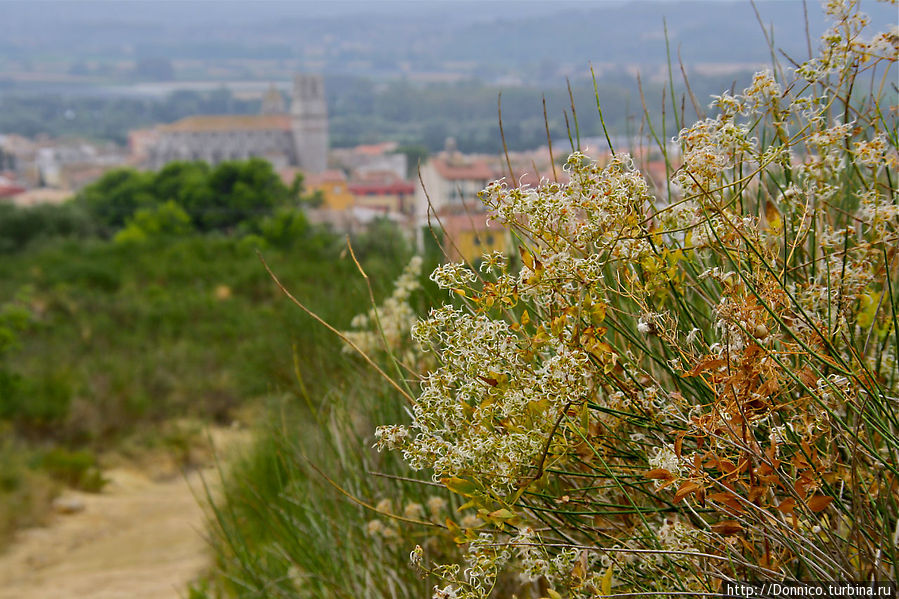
{"type": "Point", "coordinates": [121, 334]}
{"type": "Point", "coordinates": [77, 469]}
{"type": "Point", "coordinates": [105, 344]}
{"type": "Point", "coordinates": [25, 492]}
{"type": "Point", "coordinates": [160, 222]}
{"type": "Point", "coordinates": [213, 198]}
{"type": "Point", "coordinates": [284, 526]}
{"type": "Point", "coordinates": [20, 227]}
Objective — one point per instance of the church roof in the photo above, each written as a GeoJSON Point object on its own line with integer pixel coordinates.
{"type": "Point", "coordinates": [454, 170]}
{"type": "Point", "coordinates": [231, 122]}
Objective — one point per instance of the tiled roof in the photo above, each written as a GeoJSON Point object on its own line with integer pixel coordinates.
{"type": "Point", "coordinates": [329, 176]}
{"type": "Point", "coordinates": [375, 149]}
{"type": "Point", "coordinates": [392, 188]}
{"type": "Point", "coordinates": [231, 122]}
{"type": "Point", "coordinates": [9, 190]}
{"type": "Point", "coordinates": [455, 171]}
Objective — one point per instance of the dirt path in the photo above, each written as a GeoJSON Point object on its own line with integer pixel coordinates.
{"type": "Point", "coordinates": [139, 539]}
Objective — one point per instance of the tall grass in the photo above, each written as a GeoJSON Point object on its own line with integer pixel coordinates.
{"type": "Point", "coordinates": [312, 510]}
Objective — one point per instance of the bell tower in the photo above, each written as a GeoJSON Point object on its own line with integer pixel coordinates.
{"type": "Point", "coordinates": [309, 120]}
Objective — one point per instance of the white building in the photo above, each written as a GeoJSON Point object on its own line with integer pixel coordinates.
{"type": "Point", "coordinates": [299, 138]}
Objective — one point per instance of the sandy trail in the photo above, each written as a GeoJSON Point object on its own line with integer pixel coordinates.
{"type": "Point", "coordinates": [139, 539]}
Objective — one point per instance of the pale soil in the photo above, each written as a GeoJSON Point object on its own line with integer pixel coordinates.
{"type": "Point", "coordinates": [139, 539]}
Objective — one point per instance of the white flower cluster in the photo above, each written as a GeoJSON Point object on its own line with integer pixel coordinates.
{"type": "Point", "coordinates": [598, 201]}
{"type": "Point", "coordinates": [674, 535]}
{"type": "Point", "coordinates": [711, 147]}
{"type": "Point", "coordinates": [664, 457]}
{"type": "Point", "coordinates": [473, 417]}
{"type": "Point", "coordinates": [453, 275]}
{"type": "Point", "coordinates": [393, 318]}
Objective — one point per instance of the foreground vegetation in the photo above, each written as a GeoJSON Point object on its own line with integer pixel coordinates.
{"type": "Point", "coordinates": [667, 394]}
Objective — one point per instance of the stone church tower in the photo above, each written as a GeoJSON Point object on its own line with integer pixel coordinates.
{"type": "Point", "coordinates": [309, 121]}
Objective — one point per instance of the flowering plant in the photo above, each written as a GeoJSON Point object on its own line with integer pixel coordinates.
{"type": "Point", "coordinates": [682, 388]}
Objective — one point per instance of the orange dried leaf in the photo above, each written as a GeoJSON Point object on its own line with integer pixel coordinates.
{"type": "Point", "coordinates": [756, 492]}
{"type": "Point", "coordinates": [684, 490]}
{"type": "Point", "coordinates": [728, 500]}
{"type": "Point", "coordinates": [727, 527]}
{"type": "Point", "coordinates": [819, 502]}
{"type": "Point", "coordinates": [709, 364]}
{"type": "Point", "coordinates": [787, 505]}
{"type": "Point", "coordinates": [659, 474]}
{"type": "Point", "coordinates": [726, 466]}
{"type": "Point", "coordinates": [808, 378]}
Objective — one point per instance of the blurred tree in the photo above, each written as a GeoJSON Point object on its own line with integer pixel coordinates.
{"type": "Point", "coordinates": [415, 154]}
{"type": "Point", "coordinates": [112, 199]}
{"type": "Point", "coordinates": [239, 191]}
{"type": "Point", "coordinates": [164, 220]}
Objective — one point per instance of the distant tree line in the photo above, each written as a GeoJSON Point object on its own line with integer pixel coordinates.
{"type": "Point", "coordinates": [364, 111]}
{"type": "Point", "coordinates": [106, 117]}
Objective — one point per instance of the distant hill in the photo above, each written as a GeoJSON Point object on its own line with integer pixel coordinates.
{"type": "Point", "coordinates": [492, 40]}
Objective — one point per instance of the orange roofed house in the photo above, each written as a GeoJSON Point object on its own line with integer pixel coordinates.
{"type": "Point", "coordinates": [298, 139]}
{"type": "Point", "coordinates": [451, 182]}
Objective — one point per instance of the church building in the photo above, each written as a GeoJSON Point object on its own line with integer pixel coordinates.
{"type": "Point", "coordinates": [296, 138]}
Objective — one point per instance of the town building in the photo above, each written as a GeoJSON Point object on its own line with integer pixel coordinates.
{"type": "Point", "coordinates": [451, 179]}
{"type": "Point", "coordinates": [384, 192]}
{"type": "Point", "coordinates": [296, 138]}
{"type": "Point", "coordinates": [468, 235]}
{"type": "Point", "coordinates": [332, 185]}
{"type": "Point", "coordinates": [56, 163]}
{"type": "Point", "coordinates": [364, 160]}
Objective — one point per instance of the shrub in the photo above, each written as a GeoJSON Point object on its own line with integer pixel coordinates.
{"type": "Point", "coordinates": [164, 221]}
{"type": "Point", "coordinates": [76, 469]}
{"type": "Point", "coordinates": [19, 227]}
{"type": "Point", "coordinates": [215, 199]}
{"type": "Point", "coordinates": [285, 228]}
{"type": "Point", "coordinates": [116, 196]}
{"type": "Point", "coordinates": [675, 389]}
{"type": "Point", "coordinates": [687, 387]}
{"type": "Point", "coordinates": [25, 493]}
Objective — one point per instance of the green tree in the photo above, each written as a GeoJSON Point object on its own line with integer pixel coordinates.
{"type": "Point", "coordinates": [415, 154]}
{"type": "Point", "coordinates": [284, 228]}
{"type": "Point", "coordinates": [113, 199]}
{"type": "Point", "coordinates": [164, 220]}
{"type": "Point", "coordinates": [240, 191]}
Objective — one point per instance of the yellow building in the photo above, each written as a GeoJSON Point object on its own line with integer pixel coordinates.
{"type": "Point", "coordinates": [468, 236]}
{"type": "Point", "coordinates": [332, 184]}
